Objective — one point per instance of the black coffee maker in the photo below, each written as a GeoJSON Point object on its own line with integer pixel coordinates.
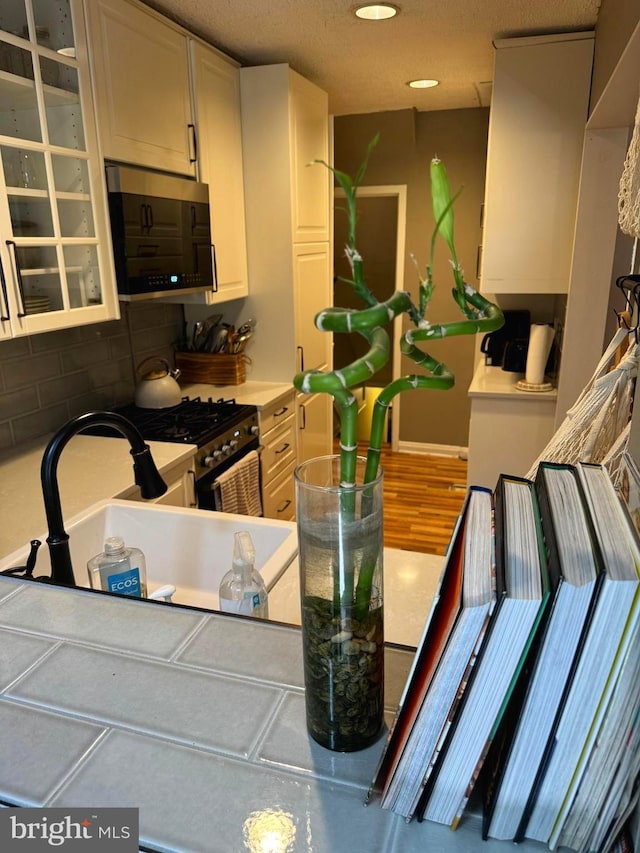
{"type": "Point", "coordinates": [507, 347]}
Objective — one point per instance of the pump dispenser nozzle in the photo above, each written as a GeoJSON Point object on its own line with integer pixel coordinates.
{"type": "Point", "coordinates": [242, 590]}
{"type": "Point", "coordinates": [244, 552]}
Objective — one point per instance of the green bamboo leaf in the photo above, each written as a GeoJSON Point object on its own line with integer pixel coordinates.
{"type": "Point", "coordinates": [442, 202]}
{"type": "Point", "coordinates": [363, 165]}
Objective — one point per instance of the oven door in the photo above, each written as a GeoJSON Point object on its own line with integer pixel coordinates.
{"type": "Point", "coordinates": [207, 487]}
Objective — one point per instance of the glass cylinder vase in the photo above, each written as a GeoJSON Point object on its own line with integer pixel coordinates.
{"type": "Point", "coordinates": [340, 545]}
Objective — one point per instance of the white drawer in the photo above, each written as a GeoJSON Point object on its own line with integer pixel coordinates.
{"type": "Point", "coordinates": [278, 498]}
{"type": "Point", "coordinates": [278, 450]}
{"type": "Point", "coordinates": [276, 413]}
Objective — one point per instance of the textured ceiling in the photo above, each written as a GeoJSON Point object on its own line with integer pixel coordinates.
{"type": "Point", "coordinates": [365, 65]}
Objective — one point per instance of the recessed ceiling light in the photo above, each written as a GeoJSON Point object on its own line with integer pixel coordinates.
{"type": "Point", "coordinates": [423, 84]}
{"type": "Point", "coordinates": [377, 11]}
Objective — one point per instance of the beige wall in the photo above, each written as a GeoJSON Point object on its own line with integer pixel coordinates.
{"type": "Point", "coordinates": [408, 141]}
{"type": "Point", "coordinates": [616, 21]}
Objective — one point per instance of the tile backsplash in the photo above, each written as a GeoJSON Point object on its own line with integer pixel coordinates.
{"type": "Point", "coordinates": [47, 379]}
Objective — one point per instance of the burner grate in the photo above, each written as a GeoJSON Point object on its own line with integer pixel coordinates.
{"type": "Point", "coordinates": [192, 421]}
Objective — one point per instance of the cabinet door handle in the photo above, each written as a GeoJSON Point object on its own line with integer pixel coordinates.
{"type": "Point", "coordinates": [194, 220]}
{"type": "Point", "coordinates": [149, 216]}
{"type": "Point", "coordinates": [21, 313]}
{"type": "Point", "coordinates": [284, 447]}
{"type": "Point", "coordinates": [214, 286]}
{"type": "Point", "coordinates": [303, 417]}
{"type": "Point", "coordinates": [194, 500]}
{"type": "Point", "coordinates": [3, 284]}
{"type": "Point", "coordinates": [148, 250]}
{"type": "Point", "coordinates": [193, 154]}
{"type": "Point", "coordinates": [478, 261]}
{"type": "Point", "coordinates": [143, 217]}
{"type": "Point", "coordinates": [300, 359]}
{"type": "Point", "coordinates": [283, 506]}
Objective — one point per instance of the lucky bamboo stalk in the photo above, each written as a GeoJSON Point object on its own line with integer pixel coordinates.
{"type": "Point", "coordinates": [480, 315]}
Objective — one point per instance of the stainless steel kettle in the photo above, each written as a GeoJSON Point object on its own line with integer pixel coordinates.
{"type": "Point", "coordinates": [157, 387]}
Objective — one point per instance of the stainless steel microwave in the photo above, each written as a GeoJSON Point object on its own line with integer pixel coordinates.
{"type": "Point", "coordinates": [161, 233]}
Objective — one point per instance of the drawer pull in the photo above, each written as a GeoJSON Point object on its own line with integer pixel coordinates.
{"type": "Point", "coordinates": [284, 447]}
{"type": "Point", "coordinates": [281, 412]}
{"type": "Point", "coordinates": [284, 506]}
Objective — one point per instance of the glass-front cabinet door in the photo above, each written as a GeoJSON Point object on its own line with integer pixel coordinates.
{"type": "Point", "coordinates": [56, 269]}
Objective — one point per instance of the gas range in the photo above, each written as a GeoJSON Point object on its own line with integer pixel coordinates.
{"type": "Point", "coordinates": [222, 429]}
{"type": "Point", "coordinates": [192, 421]}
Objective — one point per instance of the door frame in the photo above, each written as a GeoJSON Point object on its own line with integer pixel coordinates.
{"type": "Point", "coordinates": [399, 192]}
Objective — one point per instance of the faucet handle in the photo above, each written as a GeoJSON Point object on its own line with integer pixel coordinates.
{"type": "Point", "coordinates": [26, 571]}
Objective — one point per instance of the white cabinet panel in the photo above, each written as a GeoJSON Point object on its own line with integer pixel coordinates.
{"type": "Point", "coordinates": [284, 127]}
{"type": "Point", "coordinates": [539, 108]}
{"type": "Point", "coordinates": [278, 456]}
{"type": "Point", "coordinates": [279, 502]}
{"type": "Point", "coordinates": [279, 450]}
{"type": "Point", "coordinates": [315, 425]}
{"type": "Point", "coordinates": [312, 277]}
{"type": "Point", "coordinates": [216, 85]}
{"type": "Point", "coordinates": [509, 428]}
{"type": "Point", "coordinates": [309, 142]}
{"type": "Point", "coordinates": [140, 68]}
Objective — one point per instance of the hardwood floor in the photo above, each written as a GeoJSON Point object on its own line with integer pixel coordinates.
{"type": "Point", "coordinates": [422, 498]}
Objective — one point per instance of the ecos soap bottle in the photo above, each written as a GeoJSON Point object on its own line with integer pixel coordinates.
{"type": "Point", "coordinates": [242, 589]}
{"type": "Point", "coordinates": [119, 569]}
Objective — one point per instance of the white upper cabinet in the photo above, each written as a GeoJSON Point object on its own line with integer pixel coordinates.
{"type": "Point", "coordinates": [309, 131]}
{"type": "Point", "coordinates": [170, 102]}
{"type": "Point", "coordinates": [140, 69]}
{"type": "Point", "coordinates": [216, 87]}
{"type": "Point", "coordinates": [539, 109]}
{"type": "Point", "coordinates": [55, 254]}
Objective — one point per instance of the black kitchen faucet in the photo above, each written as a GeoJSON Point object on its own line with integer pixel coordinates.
{"type": "Point", "coordinates": [146, 475]}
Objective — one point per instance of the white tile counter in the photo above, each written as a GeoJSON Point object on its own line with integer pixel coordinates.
{"type": "Point", "coordinates": [91, 468]}
{"type": "Point", "coordinates": [196, 719]}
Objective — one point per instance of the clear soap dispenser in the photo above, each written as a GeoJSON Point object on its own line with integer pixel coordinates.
{"type": "Point", "coordinates": [242, 589]}
{"type": "Point", "coordinates": [119, 569]}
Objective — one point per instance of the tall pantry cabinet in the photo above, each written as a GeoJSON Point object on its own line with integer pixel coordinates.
{"type": "Point", "coordinates": [285, 127]}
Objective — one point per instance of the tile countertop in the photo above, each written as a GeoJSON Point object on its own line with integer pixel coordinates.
{"type": "Point", "coordinates": [195, 718]}
{"type": "Point", "coordinates": [91, 468]}
{"type": "Point", "coordinates": [499, 383]}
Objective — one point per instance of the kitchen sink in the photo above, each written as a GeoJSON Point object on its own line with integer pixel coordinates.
{"type": "Point", "coordinates": [190, 549]}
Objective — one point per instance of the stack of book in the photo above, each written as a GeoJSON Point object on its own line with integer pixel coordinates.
{"type": "Point", "coordinates": [526, 683]}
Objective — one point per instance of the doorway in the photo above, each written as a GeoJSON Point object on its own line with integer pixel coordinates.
{"type": "Point", "coordinates": [380, 239]}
